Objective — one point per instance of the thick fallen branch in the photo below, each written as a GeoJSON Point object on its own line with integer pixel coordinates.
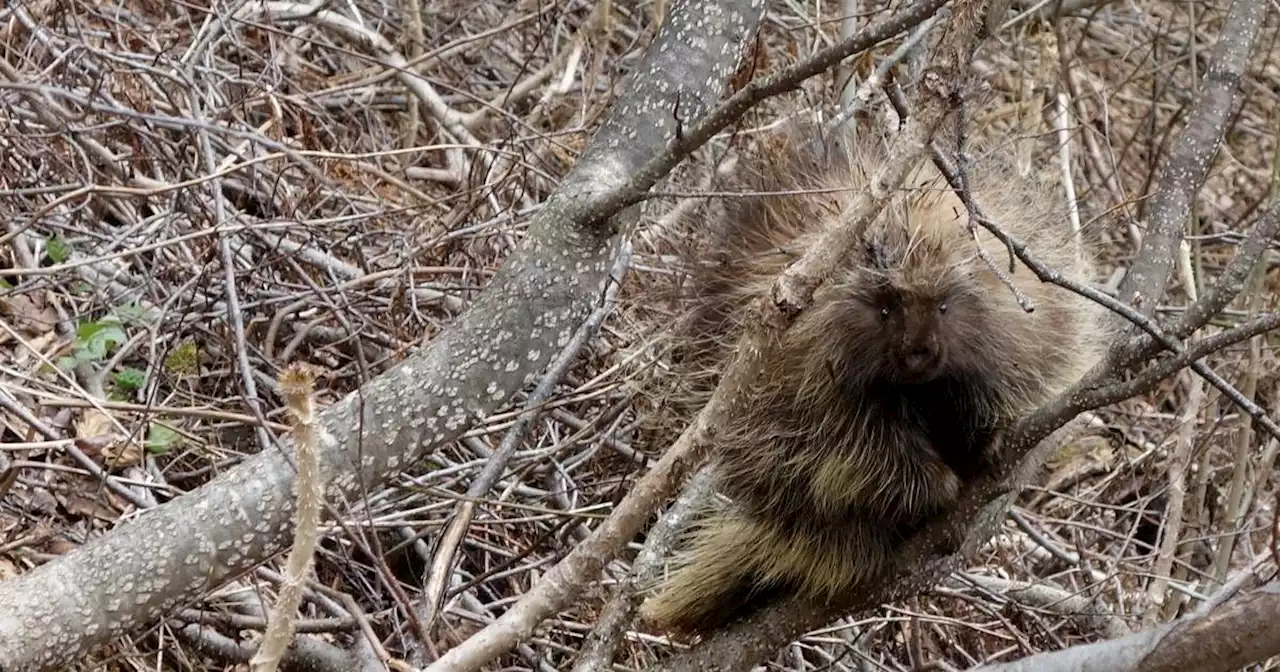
{"type": "Point", "coordinates": [1226, 637]}
{"type": "Point", "coordinates": [54, 614]}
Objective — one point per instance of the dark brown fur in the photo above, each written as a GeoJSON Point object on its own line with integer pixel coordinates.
{"type": "Point", "coordinates": [885, 394]}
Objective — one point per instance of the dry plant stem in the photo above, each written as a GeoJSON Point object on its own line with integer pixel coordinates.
{"type": "Point", "coordinates": [452, 120]}
{"type": "Point", "coordinates": [1236, 503]}
{"type": "Point", "coordinates": [1171, 529]}
{"type": "Point", "coordinates": [417, 39]}
{"type": "Point", "coordinates": [1061, 125]}
{"type": "Point", "coordinates": [1177, 465]}
{"type": "Point", "coordinates": [845, 73]}
{"type": "Point", "coordinates": [298, 386]}
{"type": "Point", "coordinates": [1184, 171]}
{"type": "Point", "coordinates": [234, 315]}
{"type": "Point", "coordinates": [52, 615]}
{"type": "Point", "coordinates": [1224, 638]}
{"type": "Point", "coordinates": [601, 646]}
{"type": "Point", "coordinates": [442, 565]}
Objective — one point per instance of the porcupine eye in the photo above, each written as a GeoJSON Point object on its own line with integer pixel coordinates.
{"type": "Point", "coordinates": [887, 303]}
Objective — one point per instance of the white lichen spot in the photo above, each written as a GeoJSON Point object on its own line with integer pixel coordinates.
{"type": "Point", "coordinates": [535, 355]}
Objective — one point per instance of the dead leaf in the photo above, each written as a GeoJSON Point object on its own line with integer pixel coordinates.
{"type": "Point", "coordinates": [34, 346]}
{"type": "Point", "coordinates": [29, 314]}
{"type": "Point", "coordinates": [96, 434]}
{"type": "Point", "coordinates": [86, 506]}
{"type": "Point", "coordinates": [59, 546]}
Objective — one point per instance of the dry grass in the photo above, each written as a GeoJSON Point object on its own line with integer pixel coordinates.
{"type": "Point", "coordinates": [147, 145]}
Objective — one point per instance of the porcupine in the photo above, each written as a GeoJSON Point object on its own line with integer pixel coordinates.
{"type": "Point", "coordinates": [887, 392]}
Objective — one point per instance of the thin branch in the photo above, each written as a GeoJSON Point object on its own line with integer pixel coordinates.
{"type": "Point", "coordinates": [546, 288]}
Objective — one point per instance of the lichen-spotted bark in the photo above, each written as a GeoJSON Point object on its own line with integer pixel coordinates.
{"type": "Point", "coordinates": [133, 575]}
{"type": "Point", "coordinates": [1184, 172]}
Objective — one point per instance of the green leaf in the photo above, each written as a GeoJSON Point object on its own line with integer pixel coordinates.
{"type": "Point", "coordinates": [161, 438]}
{"type": "Point", "coordinates": [130, 379]}
{"type": "Point", "coordinates": [57, 249]}
{"type": "Point", "coordinates": [96, 339]}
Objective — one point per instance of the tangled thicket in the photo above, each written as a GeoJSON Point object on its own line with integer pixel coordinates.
{"type": "Point", "coordinates": [195, 196]}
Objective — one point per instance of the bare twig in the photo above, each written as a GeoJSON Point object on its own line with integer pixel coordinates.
{"type": "Point", "coordinates": [442, 565]}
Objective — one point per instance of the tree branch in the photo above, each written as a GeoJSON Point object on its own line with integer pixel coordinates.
{"type": "Point", "coordinates": [1225, 637]}
{"type": "Point", "coordinates": [1185, 169]}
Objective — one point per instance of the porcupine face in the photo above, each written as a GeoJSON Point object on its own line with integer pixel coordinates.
{"type": "Point", "coordinates": [910, 301]}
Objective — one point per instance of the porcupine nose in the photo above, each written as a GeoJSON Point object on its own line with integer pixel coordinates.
{"type": "Point", "coordinates": [918, 352]}
{"type": "Point", "coordinates": [920, 358]}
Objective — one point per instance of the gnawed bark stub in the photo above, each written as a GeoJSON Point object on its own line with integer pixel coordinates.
{"type": "Point", "coordinates": [132, 576]}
